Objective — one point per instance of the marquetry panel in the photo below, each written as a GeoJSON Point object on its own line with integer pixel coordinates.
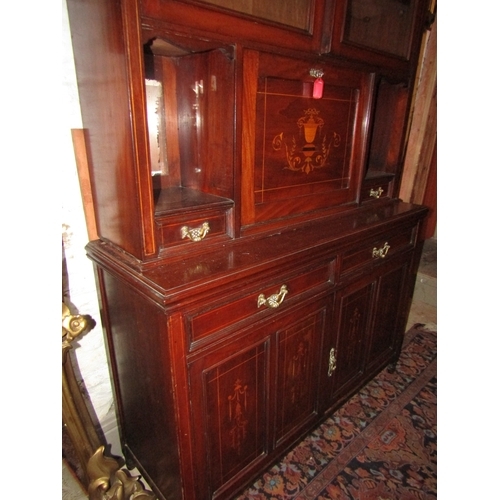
{"type": "Point", "coordinates": [234, 411]}
{"type": "Point", "coordinates": [308, 153]}
{"type": "Point", "coordinates": [353, 307]}
{"type": "Point", "coordinates": [386, 317]}
{"type": "Point", "coordinates": [298, 349]}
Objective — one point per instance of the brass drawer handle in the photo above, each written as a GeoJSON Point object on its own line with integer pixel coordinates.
{"type": "Point", "coordinates": [332, 362]}
{"type": "Point", "coordinates": [376, 193]}
{"type": "Point", "coordinates": [380, 253]}
{"type": "Point", "coordinates": [274, 300]}
{"type": "Point", "coordinates": [196, 233]}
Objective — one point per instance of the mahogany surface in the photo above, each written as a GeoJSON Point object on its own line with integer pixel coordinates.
{"type": "Point", "coordinates": [227, 348]}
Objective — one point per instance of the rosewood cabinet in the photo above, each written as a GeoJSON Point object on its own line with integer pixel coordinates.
{"type": "Point", "coordinates": [255, 265]}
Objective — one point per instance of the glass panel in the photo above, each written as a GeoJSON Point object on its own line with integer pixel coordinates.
{"type": "Point", "coordinates": [383, 25]}
{"type": "Point", "coordinates": [294, 13]}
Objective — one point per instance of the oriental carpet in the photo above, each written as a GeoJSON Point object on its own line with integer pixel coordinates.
{"type": "Point", "coordinates": [380, 445]}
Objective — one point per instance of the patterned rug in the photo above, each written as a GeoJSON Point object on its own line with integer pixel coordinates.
{"type": "Point", "coordinates": [381, 445]}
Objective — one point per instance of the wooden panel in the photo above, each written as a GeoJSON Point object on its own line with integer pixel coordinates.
{"type": "Point", "coordinates": [387, 320]}
{"type": "Point", "coordinates": [383, 25]}
{"type": "Point", "coordinates": [137, 340]}
{"type": "Point", "coordinates": [115, 145]}
{"type": "Point", "coordinates": [294, 13]}
{"type": "Point", "coordinates": [309, 153]}
{"type": "Point", "coordinates": [389, 127]}
{"type": "Point", "coordinates": [423, 128]}
{"type": "Point", "coordinates": [82, 166]}
{"type": "Point", "coordinates": [352, 310]}
{"type": "Point", "coordinates": [297, 386]}
{"type": "Point", "coordinates": [230, 403]}
{"type": "Point", "coordinates": [384, 33]}
{"type": "Point", "coordinates": [194, 16]}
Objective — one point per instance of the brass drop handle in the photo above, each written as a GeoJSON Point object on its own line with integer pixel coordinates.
{"type": "Point", "coordinates": [196, 233]}
{"type": "Point", "coordinates": [274, 300]}
{"type": "Point", "coordinates": [380, 253]}
{"type": "Point", "coordinates": [376, 193]}
{"type": "Point", "coordinates": [332, 362]}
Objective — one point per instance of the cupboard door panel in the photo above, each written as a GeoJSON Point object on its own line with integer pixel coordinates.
{"type": "Point", "coordinates": [387, 316]}
{"type": "Point", "coordinates": [235, 412]}
{"type": "Point", "coordinates": [353, 309]}
{"type": "Point", "coordinates": [297, 375]}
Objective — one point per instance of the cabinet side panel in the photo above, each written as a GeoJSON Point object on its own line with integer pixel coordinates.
{"type": "Point", "coordinates": [101, 68]}
{"type": "Point", "coordinates": [137, 340]}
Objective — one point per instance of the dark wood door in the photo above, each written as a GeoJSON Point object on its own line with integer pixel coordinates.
{"type": "Point", "coordinates": [253, 395]}
{"type": "Point", "coordinates": [297, 358]}
{"type": "Point", "coordinates": [345, 346]}
{"type": "Point", "coordinates": [387, 317]}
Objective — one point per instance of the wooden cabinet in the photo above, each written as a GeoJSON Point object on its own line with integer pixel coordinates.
{"type": "Point", "coordinates": [255, 265]}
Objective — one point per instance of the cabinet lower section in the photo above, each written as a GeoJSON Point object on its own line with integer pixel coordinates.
{"type": "Point", "coordinates": [219, 375]}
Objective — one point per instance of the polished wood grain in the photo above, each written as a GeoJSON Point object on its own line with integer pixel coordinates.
{"type": "Point", "coordinates": [226, 349]}
{"type": "Point", "coordinates": [294, 172]}
{"type": "Point", "coordinates": [103, 73]}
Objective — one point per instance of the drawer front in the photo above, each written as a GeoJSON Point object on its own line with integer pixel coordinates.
{"type": "Point", "coordinates": [376, 189]}
{"type": "Point", "coordinates": [380, 248]}
{"type": "Point", "coordinates": [192, 230]}
{"type": "Point", "coordinates": [203, 323]}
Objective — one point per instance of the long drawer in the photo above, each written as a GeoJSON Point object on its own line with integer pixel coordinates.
{"type": "Point", "coordinates": [203, 323]}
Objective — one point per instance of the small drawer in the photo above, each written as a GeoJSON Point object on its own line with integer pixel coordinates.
{"type": "Point", "coordinates": [380, 248]}
{"type": "Point", "coordinates": [219, 315]}
{"type": "Point", "coordinates": [375, 188]}
{"type": "Point", "coordinates": [190, 229]}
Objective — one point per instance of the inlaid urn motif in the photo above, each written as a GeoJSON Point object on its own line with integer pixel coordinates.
{"type": "Point", "coordinates": [311, 149]}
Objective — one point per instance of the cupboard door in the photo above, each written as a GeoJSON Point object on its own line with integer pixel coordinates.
{"type": "Point", "coordinates": [346, 352]}
{"type": "Point", "coordinates": [297, 358]}
{"type": "Point", "coordinates": [253, 396]}
{"type": "Point", "coordinates": [230, 410]}
{"type": "Point", "coordinates": [388, 320]}
{"type": "Point", "coordinates": [301, 153]}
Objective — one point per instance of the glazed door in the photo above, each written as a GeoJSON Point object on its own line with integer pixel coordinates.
{"type": "Point", "coordinates": [253, 395]}
{"type": "Point", "coordinates": [383, 32]}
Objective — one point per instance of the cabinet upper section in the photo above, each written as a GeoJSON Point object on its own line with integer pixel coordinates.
{"type": "Point", "coordinates": [210, 120]}
{"type": "Point", "coordinates": [383, 33]}
{"type": "Point", "coordinates": [292, 24]}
